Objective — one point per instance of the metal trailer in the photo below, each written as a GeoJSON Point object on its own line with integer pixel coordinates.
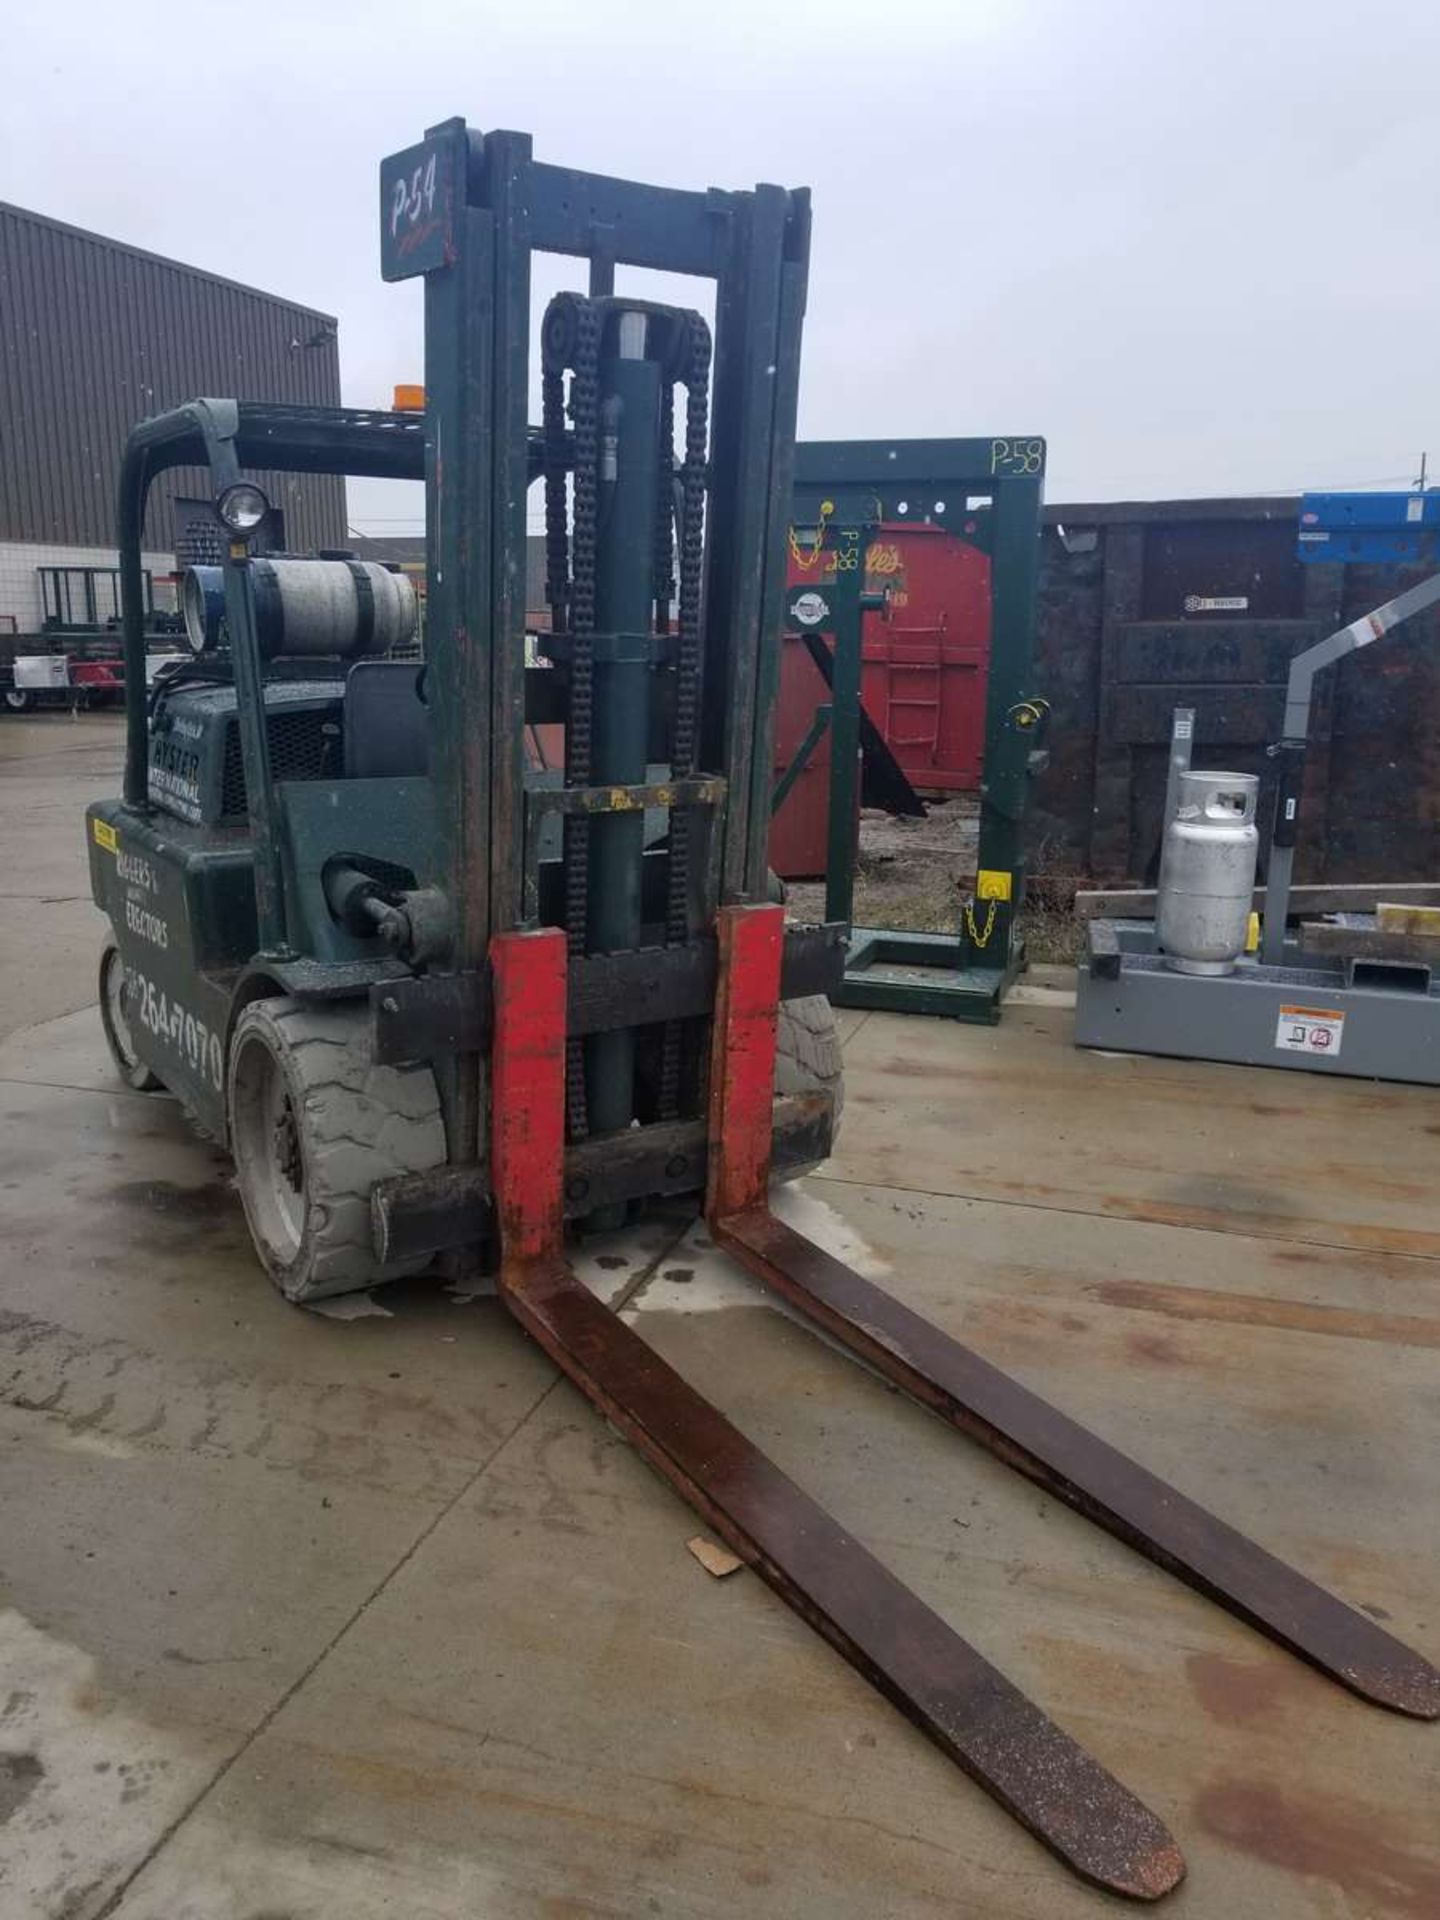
{"type": "Point", "coordinates": [39, 670]}
{"type": "Point", "coordinates": [75, 659]}
{"type": "Point", "coordinates": [1364, 1011]}
{"type": "Point", "coordinates": [377, 957]}
{"type": "Point", "coordinates": [990, 492]}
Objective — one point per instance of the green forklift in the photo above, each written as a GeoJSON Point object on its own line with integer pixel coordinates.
{"type": "Point", "coordinates": [276, 875]}
{"type": "Point", "coordinates": [442, 1011]}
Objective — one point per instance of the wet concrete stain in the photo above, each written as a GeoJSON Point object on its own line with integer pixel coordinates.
{"type": "Point", "coordinates": [1235, 1692]}
{"type": "Point", "coordinates": [192, 1206]}
{"type": "Point", "coordinates": [79, 1900]}
{"type": "Point", "coordinates": [342, 1843]}
{"type": "Point", "coordinates": [678, 1276]}
{"type": "Point", "coordinates": [20, 1774]}
{"type": "Point", "coordinates": [611, 1262]}
{"type": "Point", "coordinates": [1226, 1193]}
{"type": "Point", "coordinates": [1157, 1348]}
{"type": "Point", "coordinates": [1198, 1203]}
{"type": "Point", "coordinates": [137, 1777]}
{"type": "Point", "coordinates": [376, 1434]}
{"type": "Point", "coordinates": [1365, 1852]}
{"type": "Point", "coordinates": [1266, 1310]}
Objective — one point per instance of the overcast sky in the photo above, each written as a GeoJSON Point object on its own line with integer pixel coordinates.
{"type": "Point", "coordinates": [1196, 246]}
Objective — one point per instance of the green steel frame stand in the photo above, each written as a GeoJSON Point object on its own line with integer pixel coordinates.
{"type": "Point", "coordinates": [836, 604]}
{"type": "Point", "coordinates": [990, 491]}
{"type": "Point", "coordinates": [903, 972]}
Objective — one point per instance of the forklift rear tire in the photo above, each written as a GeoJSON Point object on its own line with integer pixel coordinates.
{"type": "Point", "coordinates": [19, 699]}
{"type": "Point", "coordinates": [314, 1124]}
{"type": "Point", "coordinates": [115, 1019]}
{"type": "Point", "coordinates": [807, 1057]}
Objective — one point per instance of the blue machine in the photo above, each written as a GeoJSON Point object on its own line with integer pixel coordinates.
{"type": "Point", "coordinates": [1399, 528]}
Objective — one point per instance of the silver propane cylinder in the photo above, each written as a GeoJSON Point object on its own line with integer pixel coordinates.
{"type": "Point", "coordinates": [1207, 872]}
{"type": "Point", "coordinates": [342, 608]}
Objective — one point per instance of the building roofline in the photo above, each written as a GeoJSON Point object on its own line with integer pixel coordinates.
{"type": "Point", "coordinates": [163, 260]}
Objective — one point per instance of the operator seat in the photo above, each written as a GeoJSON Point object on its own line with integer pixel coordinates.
{"type": "Point", "coordinates": [386, 720]}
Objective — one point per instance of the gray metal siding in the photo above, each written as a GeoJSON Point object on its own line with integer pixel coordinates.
{"type": "Point", "coordinates": [95, 336]}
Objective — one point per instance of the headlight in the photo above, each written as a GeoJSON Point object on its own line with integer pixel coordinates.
{"type": "Point", "coordinates": [241, 507]}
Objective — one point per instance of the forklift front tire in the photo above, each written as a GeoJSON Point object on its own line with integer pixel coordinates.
{"type": "Point", "coordinates": [808, 1058]}
{"type": "Point", "coordinates": [314, 1124]}
{"type": "Point", "coordinates": [115, 1019]}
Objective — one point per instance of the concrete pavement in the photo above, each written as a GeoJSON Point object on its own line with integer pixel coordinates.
{"type": "Point", "coordinates": [50, 765]}
{"type": "Point", "coordinates": [305, 1616]}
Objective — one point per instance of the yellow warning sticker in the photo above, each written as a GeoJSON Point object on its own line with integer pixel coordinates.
{"type": "Point", "coordinates": [105, 836]}
{"type": "Point", "coordinates": [993, 883]}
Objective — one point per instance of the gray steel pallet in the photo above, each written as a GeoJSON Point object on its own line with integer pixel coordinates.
{"type": "Point", "coordinates": [1303, 1016]}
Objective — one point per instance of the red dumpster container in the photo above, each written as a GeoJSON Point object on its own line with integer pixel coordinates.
{"type": "Point", "coordinates": [924, 662]}
{"type": "Point", "coordinates": [798, 830]}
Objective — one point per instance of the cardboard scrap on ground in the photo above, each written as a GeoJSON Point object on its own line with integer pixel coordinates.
{"type": "Point", "coordinates": [713, 1557]}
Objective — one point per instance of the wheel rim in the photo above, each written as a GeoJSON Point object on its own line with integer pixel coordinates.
{"type": "Point", "coordinates": [269, 1154]}
{"type": "Point", "coordinates": [115, 1011]}
{"type": "Point", "coordinates": [17, 699]}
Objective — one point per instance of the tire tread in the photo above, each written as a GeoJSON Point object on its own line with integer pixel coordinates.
{"type": "Point", "coordinates": [808, 1053]}
{"type": "Point", "coordinates": [363, 1123]}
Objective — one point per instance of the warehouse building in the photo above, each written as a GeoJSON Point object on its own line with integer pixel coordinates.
{"type": "Point", "coordinates": [95, 335]}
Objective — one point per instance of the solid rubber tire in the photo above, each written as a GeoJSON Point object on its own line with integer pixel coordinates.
{"type": "Point", "coordinates": [355, 1123]}
{"type": "Point", "coordinates": [808, 1057]}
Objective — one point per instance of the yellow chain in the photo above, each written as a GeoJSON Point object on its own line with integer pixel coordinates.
{"type": "Point", "coordinates": [807, 557]}
{"type": "Point", "coordinates": [977, 938]}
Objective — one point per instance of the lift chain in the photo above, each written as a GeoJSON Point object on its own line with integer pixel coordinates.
{"type": "Point", "coordinates": [692, 547]}
{"type": "Point", "coordinates": [557, 517]}
{"type": "Point", "coordinates": [572, 341]}
{"type": "Point", "coordinates": [585, 415]}
{"type": "Point", "coordinates": [688, 666]}
{"type": "Point", "coordinates": [665, 512]}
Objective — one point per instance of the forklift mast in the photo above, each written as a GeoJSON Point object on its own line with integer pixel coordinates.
{"type": "Point", "coordinates": [468, 210]}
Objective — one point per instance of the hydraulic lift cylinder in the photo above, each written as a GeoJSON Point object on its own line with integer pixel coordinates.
{"type": "Point", "coordinates": [624, 598]}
